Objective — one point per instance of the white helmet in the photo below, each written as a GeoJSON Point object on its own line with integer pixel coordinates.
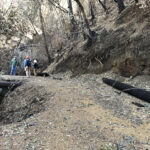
{"type": "Point", "coordinates": [35, 61]}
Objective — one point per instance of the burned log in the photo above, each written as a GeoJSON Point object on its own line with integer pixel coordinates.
{"type": "Point", "coordinates": [140, 93]}
{"type": "Point", "coordinates": [6, 86]}
{"type": "Point", "coordinates": [1, 90]}
{"type": "Point", "coordinates": [41, 74]}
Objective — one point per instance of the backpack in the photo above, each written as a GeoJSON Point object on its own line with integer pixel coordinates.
{"type": "Point", "coordinates": [28, 63]}
{"type": "Point", "coordinates": [35, 66]}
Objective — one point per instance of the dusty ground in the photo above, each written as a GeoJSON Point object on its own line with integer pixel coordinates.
{"type": "Point", "coordinates": [82, 113]}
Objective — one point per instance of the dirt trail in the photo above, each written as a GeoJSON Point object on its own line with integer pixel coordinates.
{"type": "Point", "coordinates": [74, 114]}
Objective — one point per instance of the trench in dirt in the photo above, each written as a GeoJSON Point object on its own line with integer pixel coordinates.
{"type": "Point", "coordinates": [18, 103]}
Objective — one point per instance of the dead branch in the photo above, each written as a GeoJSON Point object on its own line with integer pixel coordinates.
{"type": "Point", "coordinates": [57, 5]}
{"type": "Point", "coordinates": [99, 61]}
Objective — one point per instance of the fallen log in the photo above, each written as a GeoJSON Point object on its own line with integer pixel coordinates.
{"type": "Point", "coordinates": [41, 74]}
{"type": "Point", "coordinates": [5, 84]}
{"type": "Point", "coordinates": [140, 93]}
{"type": "Point", "coordinates": [1, 90]}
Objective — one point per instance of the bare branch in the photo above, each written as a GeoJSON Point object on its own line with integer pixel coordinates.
{"type": "Point", "coordinates": [99, 61]}
{"type": "Point", "coordinates": [57, 5]}
{"type": "Point", "coordinates": [103, 5]}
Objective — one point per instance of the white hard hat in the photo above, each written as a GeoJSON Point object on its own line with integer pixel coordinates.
{"type": "Point", "coordinates": [35, 61]}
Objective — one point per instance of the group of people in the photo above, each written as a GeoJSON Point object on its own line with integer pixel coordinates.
{"type": "Point", "coordinates": [27, 66]}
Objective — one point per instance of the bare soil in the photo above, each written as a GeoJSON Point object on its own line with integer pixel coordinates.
{"type": "Point", "coordinates": [82, 113]}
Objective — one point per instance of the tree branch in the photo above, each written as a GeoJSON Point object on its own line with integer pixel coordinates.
{"type": "Point", "coordinates": [57, 5]}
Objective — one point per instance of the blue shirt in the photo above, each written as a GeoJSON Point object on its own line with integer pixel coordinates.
{"type": "Point", "coordinates": [25, 62]}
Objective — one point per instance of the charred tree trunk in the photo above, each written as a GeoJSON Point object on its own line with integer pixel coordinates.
{"type": "Point", "coordinates": [44, 34]}
{"type": "Point", "coordinates": [92, 13]}
{"type": "Point", "coordinates": [71, 15]}
{"type": "Point", "coordinates": [6, 86]}
{"type": "Point", "coordinates": [105, 2]}
{"type": "Point", "coordinates": [137, 92]}
{"type": "Point", "coordinates": [81, 24]}
{"type": "Point", "coordinates": [121, 5]}
{"type": "Point", "coordinates": [1, 90]}
{"type": "Point", "coordinates": [89, 32]}
{"type": "Point", "coordinates": [104, 6]}
{"type": "Point", "coordinates": [136, 1]}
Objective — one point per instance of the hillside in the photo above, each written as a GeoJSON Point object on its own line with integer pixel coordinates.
{"type": "Point", "coordinates": [121, 41]}
{"type": "Point", "coordinates": [122, 44]}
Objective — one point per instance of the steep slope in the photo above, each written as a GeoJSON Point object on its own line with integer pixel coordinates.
{"type": "Point", "coordinates": [121, 40]}
{"type": "Point", "coordinates": [121, 43]}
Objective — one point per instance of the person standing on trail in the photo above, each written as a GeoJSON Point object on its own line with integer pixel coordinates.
{"type": "Point", "coordinates": [35, 67]}
{"type": "Point", "coordinates": [27, 66]}
{"type": "Point", "coordinates": [14, 64]}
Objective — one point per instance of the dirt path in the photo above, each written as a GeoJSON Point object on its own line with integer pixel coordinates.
{"type": "Point", "coordinates": [72, 114]}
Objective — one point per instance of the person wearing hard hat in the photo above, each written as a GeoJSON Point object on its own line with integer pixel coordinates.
{"type": "Point", "coordinates": [14, 64]}
{"type": "Point", "coordinates": [35, 67]}
{"type": "Point", "coordinates": [27, 66]}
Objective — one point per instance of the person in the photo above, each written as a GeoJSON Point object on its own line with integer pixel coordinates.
{"type": "Point", "coordinates": [14, 64]}
{"type": "Point", "coordinates": [35, 67]}
{"type": "Point", "coordinates": [27, 66]}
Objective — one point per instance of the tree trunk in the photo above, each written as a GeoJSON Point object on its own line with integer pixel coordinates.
{"type": "Point", "coordinates": [71, 15]}
{"type": "Point", "coordinates": [121, 5]}
{"type": "Point", "coordinates": [44, 35]}
{"type": "Point", "coordinates": [137, 92]}
{"type": "Point", "coordinates": [1, 90]}
{"type": "Point", "coordinates": [104, 6]}
{"type": "Point", "coordinates": [8, 84]}
{"type": "Point", "coordinates": [105, 2]}
{"type": "Point", "coordinates": [81, 25]}
{"type": "Point", "coordinates": [90, 33]}
{"type": "Point", "coordinates": [92, 13]}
